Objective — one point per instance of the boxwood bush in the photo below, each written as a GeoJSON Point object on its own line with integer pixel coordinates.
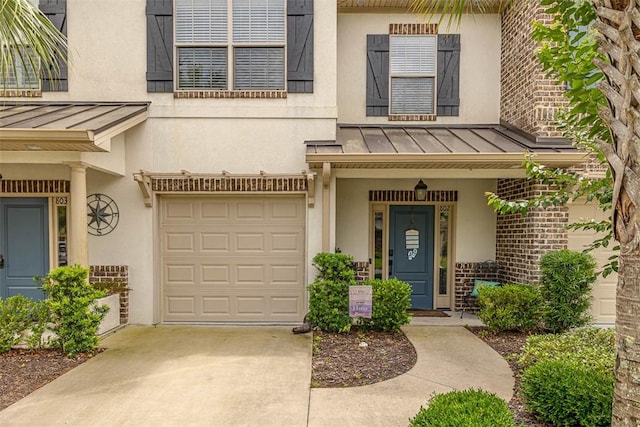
{"type": "Point", "coordinates": [329, 306]}
{"type": "Point", "coordinates": [566, 393]}
{"type": "Point", "coordinates": [566, 279]}
{"type": "Point", "coordinates": [510, 307]}
{"type": "Point", "coordinates": [476, 408]}
{"type": "Point", "coordinates": [16, 316]}
{"type": "Point", "coordinates": [391, 300]}
{"type": "Point", "coordinates": [589, 346]}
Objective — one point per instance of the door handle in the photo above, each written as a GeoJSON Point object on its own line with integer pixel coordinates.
{"type": "Point", "coordinates": [1, 261]}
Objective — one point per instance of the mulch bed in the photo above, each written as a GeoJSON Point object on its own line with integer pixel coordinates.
{"type": "Point", "coordinates": [24, 371]}
{"type": "Point", "coordinates": [339, 360]}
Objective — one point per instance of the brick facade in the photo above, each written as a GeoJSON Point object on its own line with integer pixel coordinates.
{"type": "Point", "coordinates": [465, 274]}
{"type": "Point", "coordinates": [522, 240]}
{"type": "Point", "coordinates": [229, 184]}
{"type": "Point", "coordinates": [362, 270]}
{"type": "Point", "coordinates": [113, 273]}
{"type": "Point", "coordinates": [529, 100]}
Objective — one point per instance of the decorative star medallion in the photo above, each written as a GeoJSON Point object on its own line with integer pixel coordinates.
{"type": "Point", "coordinates": [103, 214]}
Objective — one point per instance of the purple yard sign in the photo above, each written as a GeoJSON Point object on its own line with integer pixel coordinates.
{"type": "Point", "coordinates": [360, 301]}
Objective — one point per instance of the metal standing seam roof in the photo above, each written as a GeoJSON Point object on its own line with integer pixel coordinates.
{"type": "Point", "coordinates": [65, 126]}
{"type": "Point", "coordinates": [481, 146]}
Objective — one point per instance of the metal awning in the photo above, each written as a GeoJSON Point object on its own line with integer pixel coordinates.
{"type": "Point", "coordinates": [66, 126]}
{"type": "Point", "coordinates": [437, 147]}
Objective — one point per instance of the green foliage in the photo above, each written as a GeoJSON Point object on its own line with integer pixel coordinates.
{"type": "Point", "coordinates": [15, 318]}
{"type": "Point", "coordinates": [41, 316]}
{"type": "Point", "coordinates": [329, 305]}
{"type": "Point", "coordinates": [75, 315]}
{"type": "Point", "coordinates": [391, 300]}
{"type": "Point", "coordinates": [588, 346]}
{"type": "Point", "coordinates": [567, 49]}
{"type": "Point", "coordinates": [476, 408]}
{"type": "Point", "coordinates": [566, 282]}
{"type": "Point", "coordinates": [568, 394]}
{"type": "Point", "coordinates": [335, 267]}
{"type": "Point", "coordinates": [510, 307]}
{"type": "Point", "coordinates": [111, 287]}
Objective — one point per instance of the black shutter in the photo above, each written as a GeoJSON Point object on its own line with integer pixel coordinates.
{"type": "Point", "coordinates": [159, 45]}
{"type": "Point", "coordinates": [448, 74]}
{"type": "Point", "coordinates": [56, 11]}
{"type": "Point", "coordinates": [377, 74]}
{"type": "Point", "coordinates": [300, 46]}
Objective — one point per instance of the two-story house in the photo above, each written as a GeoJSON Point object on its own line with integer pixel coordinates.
{"type": "Point", "coordinates": [205, 150]}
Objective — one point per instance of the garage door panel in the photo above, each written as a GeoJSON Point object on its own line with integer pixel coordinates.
{"type": "Point", "coordinates": [215, 242]}
{"type": "Point", "coordinates": [248, 274]}
{"type": "Point", "coordinates": [603, 309]}
{"type": "Point", "coordinates": [244, 259]}
{"type": "Point", "coordinates": [215, 275]}
{"type": "Point", "coordinates": [214, 210]}
{"type": "Point", "coordinates": [249, 242]}
{"type": "Point", "coordinates": [178, 242]}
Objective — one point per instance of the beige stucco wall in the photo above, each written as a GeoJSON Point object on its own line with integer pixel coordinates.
{"type": "Point", "coordinates": [479, 65]}
{"type": "Point", "coordinates": [475, 222]}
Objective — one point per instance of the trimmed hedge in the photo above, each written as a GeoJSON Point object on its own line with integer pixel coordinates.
{"type": "Point", "coordinates": [476, 408]}
{"type": "Point", "coordinates": [568, 393]}
{"type": "Point", "coordinates": [329, 306]}
{"type": "Point", "coordinates": [391, 300]}
{"type": "Point", "coordinates": [510, 307]}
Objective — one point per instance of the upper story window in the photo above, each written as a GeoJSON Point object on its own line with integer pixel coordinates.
{"type": "Point", "coordinates": [230, 44]}
{"type": "Point", "coordinates": [413, 73]}
{"type": "Point", "coordinates": [22, 74]}
{"type": "Point", "coordinates": [412, 69]}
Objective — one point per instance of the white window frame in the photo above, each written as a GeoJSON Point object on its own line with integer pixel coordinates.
{"type": "Point", "coordinates": [231, 46]}
{"type": "Point", "coordinates": [424, 67]}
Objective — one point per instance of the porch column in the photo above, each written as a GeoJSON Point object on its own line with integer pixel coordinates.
{"type": "Point", "coordinates": [326, 211]}
{"type": "Point", "coordinates": [78, 232]}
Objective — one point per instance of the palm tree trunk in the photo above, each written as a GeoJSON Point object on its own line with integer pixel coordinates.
{"type": "Point", "coordinates": [619, 27]}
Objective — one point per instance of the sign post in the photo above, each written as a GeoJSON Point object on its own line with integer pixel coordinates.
{"type": "Point", "coordinates": [360, 301]}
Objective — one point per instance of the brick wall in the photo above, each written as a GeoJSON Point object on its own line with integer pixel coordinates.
{"type": "Point", "coordinates": [521, 241]}
{"type": "Point", "coordinates": [529, 100]}
{"type": "Point", "coordinates": [465, 274]}
{"type": "Point", "coordinates": [362, 270]}
{"type": "Point", "coordinates": [110, 273]}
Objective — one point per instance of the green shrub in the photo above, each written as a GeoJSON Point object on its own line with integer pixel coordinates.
{"type": "Point", "coordinates": [566, 281]}
{"type": "Point", "coordinates": [568, 394]}
{"type": "Point", "coordinates": [391, 300]}
{"type": "Point", "coordinates": [335, 267]}
{"type": "Point", "coordinates": [16, 315]}
{"type": "Point", "coordinates": [589, 346]}
{"type": "Point", "coordinates": [40, 317]}
{"type": "Point", "coordinates": [329, 305]}
{"type": "Point", "coordinates": [510, 307]}
{"type": "Point", "coordinates": [475, 408]}
{"type": "Point", "coordinates": [74, 313]}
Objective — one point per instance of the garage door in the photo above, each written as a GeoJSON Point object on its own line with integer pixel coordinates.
{"type": "Point", "coordinates": [232, 259]}
{"type": "Point", "coordinates": [603, 307]}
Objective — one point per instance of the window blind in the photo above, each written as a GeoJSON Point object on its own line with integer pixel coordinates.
{"type": "Point", "coordinates": [259, 68]}
{"type": "Point", "coordinates": [202, 68]}
{"type": "Point", "coordinates": [259, 21]}
{"type": "Point", "coordinates": [201, 21]}
{"type": "Point", "coordinates": [412, 55]}
{"type": "Point", "coordinates": [412, 95]}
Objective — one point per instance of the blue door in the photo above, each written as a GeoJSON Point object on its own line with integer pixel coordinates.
{"type": "Point", "coordinates": [411, 251]}
{"type": "Point", "coordinates": [24, 245]}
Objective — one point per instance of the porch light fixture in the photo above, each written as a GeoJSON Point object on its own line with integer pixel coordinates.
{"type": "Point", "coordinates": [420, 191]}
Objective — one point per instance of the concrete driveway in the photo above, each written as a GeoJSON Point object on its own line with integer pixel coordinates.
{"type": "Point", "coordinates": [249, 376]}
{"type": "Point", "coordinates": [180, 376]}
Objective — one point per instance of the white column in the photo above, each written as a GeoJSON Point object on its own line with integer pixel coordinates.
{"type": "Point", "coordinates": [78, 234]}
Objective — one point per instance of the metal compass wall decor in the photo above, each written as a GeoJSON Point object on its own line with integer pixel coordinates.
{"type": "Point", "coordinates": [103, 214]}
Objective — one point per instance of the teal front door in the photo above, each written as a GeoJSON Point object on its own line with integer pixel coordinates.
{"type": "Point", "coordinates": [24, 245]}
{"type": "Point", "coordinates": [411, 251]}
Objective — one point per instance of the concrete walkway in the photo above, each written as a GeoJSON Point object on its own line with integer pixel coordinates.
{"type": "Point", "coordinates": [248, 376]}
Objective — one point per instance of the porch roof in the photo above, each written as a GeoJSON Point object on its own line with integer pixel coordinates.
{"type": "Point", "coordinates": [438, 147]}
{"type": "Point", "coordinates": [66, 126]}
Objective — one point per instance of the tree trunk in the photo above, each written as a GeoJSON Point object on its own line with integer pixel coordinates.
{"type": "Point", "coordinates": [619, 26]}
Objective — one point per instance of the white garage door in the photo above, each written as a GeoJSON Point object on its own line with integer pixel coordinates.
{"type": "Point", "coordinates": [235, 259]}
{"type": "Point", "coordinates": [603, 307]}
